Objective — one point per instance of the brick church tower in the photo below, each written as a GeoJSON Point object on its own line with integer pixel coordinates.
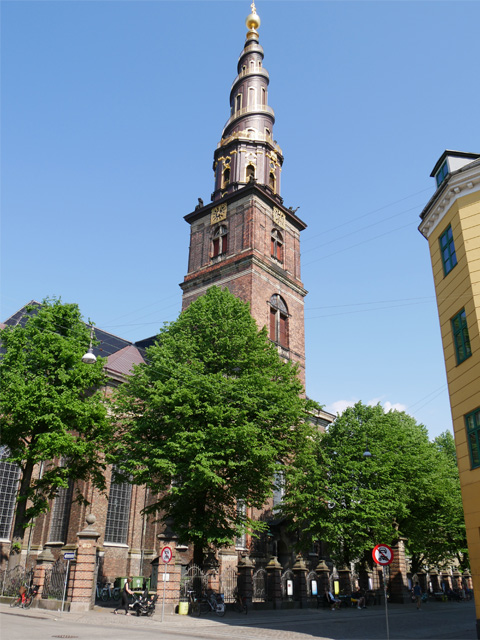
{"type": "Point", "coordinates": [245, 239]}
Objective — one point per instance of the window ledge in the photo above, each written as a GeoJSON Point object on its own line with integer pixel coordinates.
{"type": "Point", "coordinates": [116, 544]}
{"type": "Point", "coordinates": [54, 543]}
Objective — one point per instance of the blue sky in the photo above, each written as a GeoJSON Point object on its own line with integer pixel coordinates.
{"type": "Point", "coordinates": [110, 113]}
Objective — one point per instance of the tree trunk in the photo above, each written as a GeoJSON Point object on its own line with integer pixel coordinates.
{"type": "Point", "coordinates": [198, 554]}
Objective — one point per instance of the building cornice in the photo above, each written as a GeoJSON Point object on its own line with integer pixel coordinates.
{"type": "Point", "coordinates": [456, 185]}
{"type": "Point", "coordinates": [244, 190]}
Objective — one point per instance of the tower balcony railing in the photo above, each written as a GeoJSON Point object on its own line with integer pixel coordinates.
{"type": "Point", "coordinates": [252, 108]}
{"type": "Point", "coordinates": [250, 135]}
{"type": "Point", "coordinates": [251, 71]}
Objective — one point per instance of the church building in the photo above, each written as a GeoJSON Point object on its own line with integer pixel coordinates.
{"type": "Point", "coordinates": [245, 239]}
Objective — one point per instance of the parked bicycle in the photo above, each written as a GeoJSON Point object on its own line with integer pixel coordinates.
{"type": "Point", "coordinates": [208, 602]}
{"type": "Point", "coordinates": [105, 592]}
{"type": "Point", "coordinates": [25, 596]}
{"type": "Point", "coordinates": [240, 604]}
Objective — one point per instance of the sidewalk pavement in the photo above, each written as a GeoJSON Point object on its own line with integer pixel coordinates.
{"type": "Point", "coordinates": [435, 621]}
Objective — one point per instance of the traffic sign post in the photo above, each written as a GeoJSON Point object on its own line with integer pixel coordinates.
{"type": "Point", "coordinates": [68, 556]}
{"type": "Point", "coordinates": [166, 555]}
{"type": "Point", "coordinates": [383, 556]}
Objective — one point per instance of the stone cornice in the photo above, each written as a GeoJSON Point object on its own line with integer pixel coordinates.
{"type": "Point", "coordinates": [459, 184]}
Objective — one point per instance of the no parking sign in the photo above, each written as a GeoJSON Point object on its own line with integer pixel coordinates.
{"type": "Point", "coordinates": [382, 554]}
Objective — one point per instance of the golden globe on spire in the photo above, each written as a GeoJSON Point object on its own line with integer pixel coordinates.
{"type": "Point", "coordinates": [253, 20]}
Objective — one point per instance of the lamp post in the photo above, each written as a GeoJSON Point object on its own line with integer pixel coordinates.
{"type": "Point", "coordinates": [90, 357]}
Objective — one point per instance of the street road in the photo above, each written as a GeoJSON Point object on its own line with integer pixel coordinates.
{"type": "Point", "coordinates": [435, 621]}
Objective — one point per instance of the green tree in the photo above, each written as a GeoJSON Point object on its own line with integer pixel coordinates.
{"type": "Point", "coordinates": [209, 418]}
{"type": "Point", "coordinates": [51, 407]}
{"type": "Point", "coordinates": [352, 502]}
{"type": "Point", "coordinates": [436, 526]}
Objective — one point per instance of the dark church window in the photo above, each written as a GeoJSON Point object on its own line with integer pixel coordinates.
{"type": "Point", "coordinates": [220, 241]}
{"type": "Point", "coordinates": [118, 513]}
{"type": "Point", "coordinates": [278, 321]}
{"type": "Point", "coordinates": [277, 245]}
{"type": "Point", "coordinates": [250, 172]}
{"type": "Point", "coordinates": [9, 476]}
{"type": "Point", "coordinates": [61, 512]}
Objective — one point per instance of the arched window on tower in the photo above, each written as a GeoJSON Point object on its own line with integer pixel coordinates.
{"type": "Point", "coordinates": [238, 102]}
{"type": "Point", "coordinates": [226, 177]}
{"type": "Point", "coordinates": [271, 181]}
{"type": "Point", "coordinates": [220, 241]}
{"type": "Point", "coordinates": [276, 250]}
{"type": "Point", "coordinates": [251, 95]}
{"type": "Point", "coordinates": [250, 172]}
{"type": "Point", "coordinates": [278, 321]}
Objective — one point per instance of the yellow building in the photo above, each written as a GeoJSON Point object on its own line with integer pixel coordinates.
{"type": "Point", "coordinates": [451, 224]}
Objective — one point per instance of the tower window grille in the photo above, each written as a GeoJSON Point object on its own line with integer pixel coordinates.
{"type": "Point", "coordinates": [277, 245]}
{"type": "Point", "coordinates": [278, 321]}
{"type": "Point", "coordinates": [220, 241]}
{"type": "Point", "coordinates": [118, 514]}
{"type": "Point", "coordinates": [9, 477]}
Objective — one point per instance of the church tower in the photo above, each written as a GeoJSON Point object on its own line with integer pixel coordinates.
{"type": "Point", "coordinates": [245, 239]}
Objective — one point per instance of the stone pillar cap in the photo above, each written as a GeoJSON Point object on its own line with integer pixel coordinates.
{"type": "Point", "coordinates": [274, 563]}
{"type": "Point", "coordinates": [46, 555]}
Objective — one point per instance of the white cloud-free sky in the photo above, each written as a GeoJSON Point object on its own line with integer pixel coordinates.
{"type": "Point", "coordinates": [110, 115]}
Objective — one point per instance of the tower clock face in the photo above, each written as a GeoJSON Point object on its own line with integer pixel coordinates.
{"type": "Point", "coordinates": [218, 214]}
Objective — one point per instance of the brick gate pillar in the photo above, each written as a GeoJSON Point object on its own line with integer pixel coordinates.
{"type": "Point", "coordinates": [274, 591]}
{"type": "Point", "coordinates": [44, 560]}
{"type": "Point", "coordinates": [245, 579]}
{"type": "Point", "coordinates": [344, 579]}
{"type": "Point", "coordinates": [323, 578]}
{"type": "Point", "coordinates": [300, 572]}
{"type": "Point", "coordinates": [82, 579]}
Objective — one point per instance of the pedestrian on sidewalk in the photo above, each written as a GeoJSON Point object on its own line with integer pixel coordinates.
{"type": "Point", "coordinates": [417, 592]}
{"type": "Point", "coordinates": [125, 599]}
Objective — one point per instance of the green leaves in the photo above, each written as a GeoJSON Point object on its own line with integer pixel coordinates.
{"type": "Point", "coordinates": [51, 406]}
{"type": "Point", "coordinates": [408, 487]}
{"type": "Point", "coordinates": [214, 410]}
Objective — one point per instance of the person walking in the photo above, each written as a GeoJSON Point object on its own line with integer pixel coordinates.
{"type": "Point", "coordinates": [125, 597]}
{"type": "Point", "coordinates": [417, 592]}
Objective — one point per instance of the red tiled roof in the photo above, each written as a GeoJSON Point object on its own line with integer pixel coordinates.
{"type": "Point", "coordinates": [122, 361]}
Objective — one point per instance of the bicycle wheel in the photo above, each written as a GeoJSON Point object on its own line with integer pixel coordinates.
{"type": "Point", "coordinates": [16, 602]}
{"type": "Point", "coordinates": [117, 594]}
{"type": "Point", "coordinates": [104, 595]}
{"type": "Point", "coordinates": [28, 602]}
{"type": "Point", "coordinates": [195, 609]}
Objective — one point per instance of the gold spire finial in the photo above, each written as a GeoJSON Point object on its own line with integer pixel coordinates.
{"type": "Point", "coordinates": [253, 20]}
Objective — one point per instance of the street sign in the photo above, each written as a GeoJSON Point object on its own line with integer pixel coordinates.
{"type": "Point", "coordinates": [382, 554]}
{"type": "Point", "coordinates": [69, 555]}
{"type": "Point", "coordinates": [166, 555]}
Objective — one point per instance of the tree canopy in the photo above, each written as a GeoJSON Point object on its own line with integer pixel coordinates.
{"type": "Point", "coordinates": [208, 419]}
{"type": "Point", "coordinates": [407, 487]}
{"type": "Point", "coordinates": [51, 406]}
